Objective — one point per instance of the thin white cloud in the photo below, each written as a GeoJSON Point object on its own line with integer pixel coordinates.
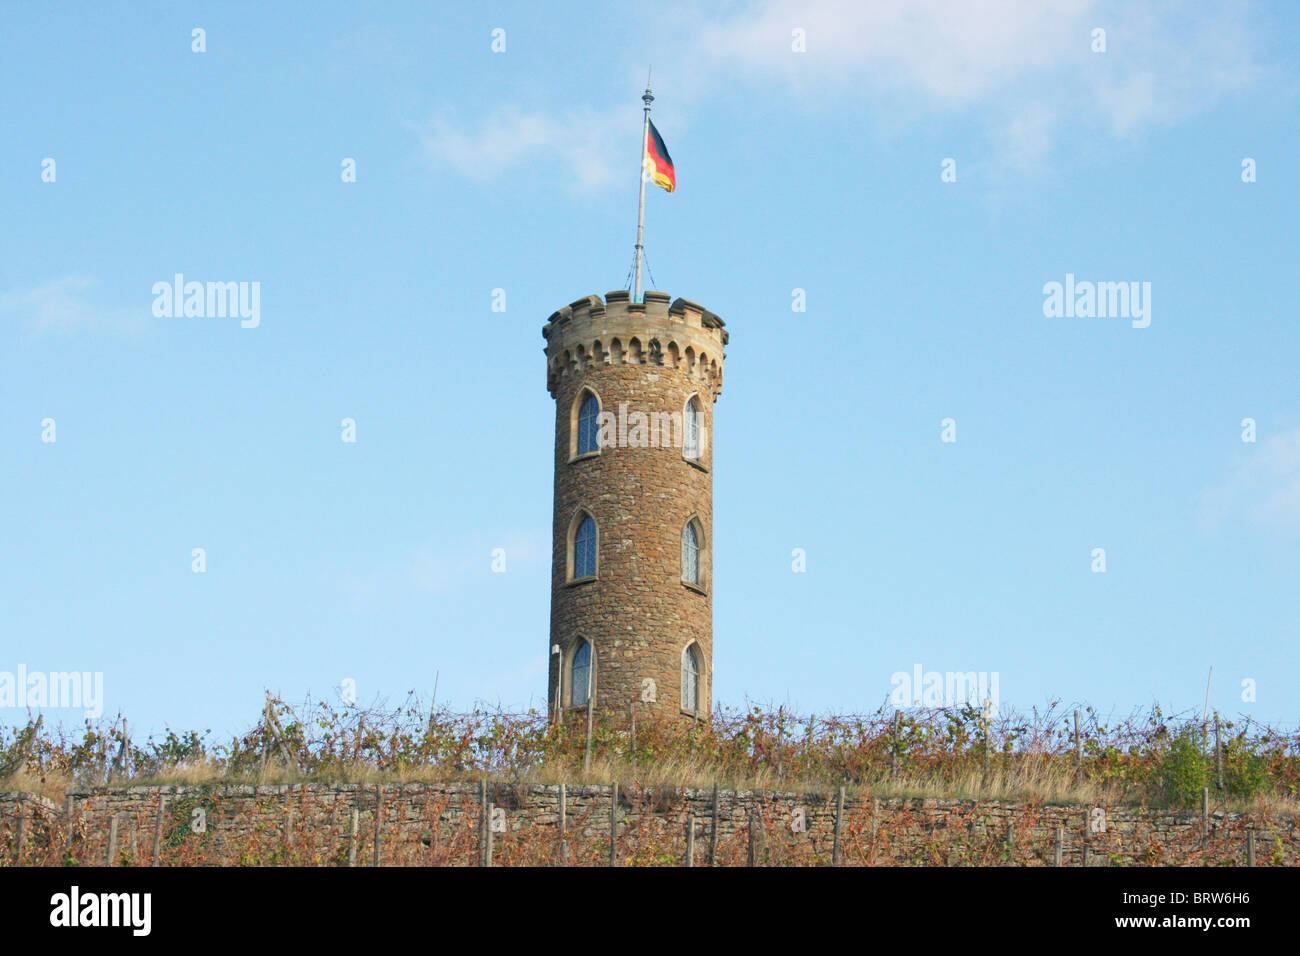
{"type": "Point", "coordinates": [1167, 62]}
{"type": "Point", "coordinates": [1023, 69]}
{"type": "Point", "coordinates": [1027, 139]}
{"type": "Point", "coordinates": [61, 307]}
{"type": "Point", "coordinates": [1028, 66]}
{"type": "Point", "coordinates": [1264, 489]}
{"type": "Point", "coordinates": [572, 149]}
{"type": "Point", "coordinates": [952, 51]}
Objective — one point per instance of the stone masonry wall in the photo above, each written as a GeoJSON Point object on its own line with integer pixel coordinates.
{"type": "Point", "coordinates": [441, 824]}
{"type": "Point", "coordinates": [637, 612]}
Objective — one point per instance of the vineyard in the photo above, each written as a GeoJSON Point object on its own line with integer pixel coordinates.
{"type": "Point", "coordinates": [1056, 755]}
{"type": "Point", "coordinates": [319, 785]}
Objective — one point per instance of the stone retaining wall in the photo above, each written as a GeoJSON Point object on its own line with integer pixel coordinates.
{"type": "Point", "coordinates": [442, 824]}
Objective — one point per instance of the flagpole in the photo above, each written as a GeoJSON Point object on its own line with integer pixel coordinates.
{"type": "Point", "coordinates": [646, 98]}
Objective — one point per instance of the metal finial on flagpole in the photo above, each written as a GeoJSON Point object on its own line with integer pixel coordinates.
{"type": "Point", "coordinates": [646, 98]}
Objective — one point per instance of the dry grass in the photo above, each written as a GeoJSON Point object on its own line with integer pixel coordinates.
{"type": "Point", "coordinates": [950, 753]}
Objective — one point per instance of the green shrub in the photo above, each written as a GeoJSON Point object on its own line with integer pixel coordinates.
{"type": "Point", "coordinates": [1245, 771]}
{"type": "Point", "coordinates": [1184, 769]}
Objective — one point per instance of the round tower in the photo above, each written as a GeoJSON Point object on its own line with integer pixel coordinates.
{"type": "Point", "coordinates": [631, 573]}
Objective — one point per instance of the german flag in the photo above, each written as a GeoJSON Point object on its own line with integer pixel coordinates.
{"type": "Point", "coordinates": [658, 162]}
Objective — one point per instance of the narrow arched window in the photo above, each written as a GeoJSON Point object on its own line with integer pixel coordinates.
{"type": "Point", "coordinates": [584, 548]}
{"type": "Point", "coordinates": [690, 679]}
{"type": "Point", "coordinates": [581, 675]}
{"type": "Point", "coordinates": [588, 416]}
{"type": "Point", "coordinates": [691, 554]}
{"type": "Point", "coordinates": [691, 445]}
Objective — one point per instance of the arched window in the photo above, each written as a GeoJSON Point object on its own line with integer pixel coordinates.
{"type": "Point", "coordinates": [584, 548]}
{"type": "Point", "coordinates": [691, 554]}
{"type": "Point", "coordinates": [691, 445]}
{"type": "Point", "coordinates": [588, 415]}
{"type": "Point", "coordinates": [581, 675]}
{"type": "Point", "coordinates": [691, 679]}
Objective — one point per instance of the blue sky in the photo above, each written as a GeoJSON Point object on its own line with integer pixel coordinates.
{"type": "Point", "coordinates": [817, 170]}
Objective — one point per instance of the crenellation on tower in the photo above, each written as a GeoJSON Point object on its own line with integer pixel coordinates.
{"type": "Point", "coordinates": [616, 331]}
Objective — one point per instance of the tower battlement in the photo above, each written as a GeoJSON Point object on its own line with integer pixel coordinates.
{"type": "Point", "coordinates": [676, 333]}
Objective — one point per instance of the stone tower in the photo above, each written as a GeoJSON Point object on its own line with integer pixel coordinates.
{"type": "Point", "coordinates": [631, 571]}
